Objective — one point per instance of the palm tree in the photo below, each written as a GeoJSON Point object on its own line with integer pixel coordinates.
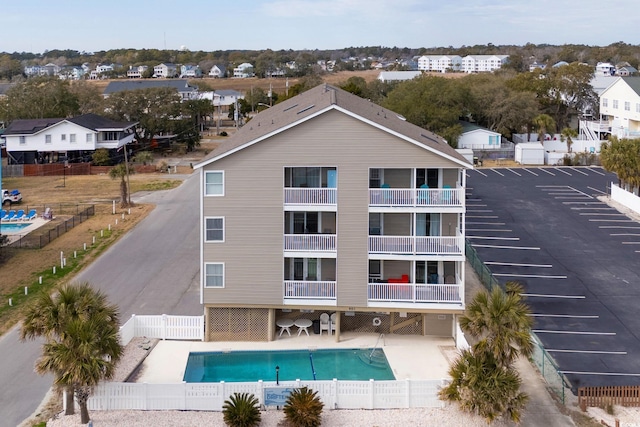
{"type": "Point", "coordinates": [49, 315]}
{"type": "Point", "coordinates": [303, 408]}
{"type": "Point", "coordinates": [480, 386]}
{"type": "Point", "coordinates": [241, 410]}
{"type": "Point", "coordinates": [88, 354]}
{"type": "Point", "coordinates": [567, 135]}
{"type": "Point", "coordinates": [122, 171]}
{"type": "Point", "coordinates": [544, 123]}
{"type": "Point", "coordinates": [502, 323]}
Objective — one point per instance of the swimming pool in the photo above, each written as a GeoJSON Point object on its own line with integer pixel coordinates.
{"type": "Point", "coordinates": [249, 366]}
{"type": "Point", "coordinates": [13, 228]}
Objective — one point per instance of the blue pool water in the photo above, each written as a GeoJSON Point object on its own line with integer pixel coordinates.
{"type": "Point", "coordinates": [13, 228]}
{"type": "Point", "coordinates": [249, 366]}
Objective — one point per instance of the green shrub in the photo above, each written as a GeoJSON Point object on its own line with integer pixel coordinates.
{"type": "Point", "coordinates": [241, 410]}
{"type": "Point", "coordinates": [303, 408]}
{"type": "Point", "coordinates": [101, 157]}
{"type": "Point", "coordinates": [223, 133]}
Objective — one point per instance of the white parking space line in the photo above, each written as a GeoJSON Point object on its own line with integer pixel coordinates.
{"type": "Point", "coordinates": [507, 247]}
{"type": "Point", "coordinates": [554, 296]}
{"type": "Point", "coordinates": [532, 173]}
{"type": "Point", "coordinates": [582, 203]}
{"type": "Point", "coordinates": [480, 210]}
{"type": "Point", "coordinates": [492, 238]}
{"type": "Point", "coordinates": [587, 351]}
{"type": "Point", "coordinates": [602, 214]}
{"type": "Point", "coordinates": [581, 192]}
{"type": "Point", "coordinates": [568, 316]}
{"type": "Point", "coordinates": [485, 223]}
{"type": "Point", "coordinates": [483, 216]}
{"type": "Point", "coordinates": [513, 264]}
{"type": "Point", "coordinates": [597, 190]}
{"type": "Point", "coordinates": [499, 173]}
{"type": "Point", "coordinates": [553, 331]}
{"type": "Point", "coordinates": [624, 234]}
{"type": "Point", "coordinates": [489, 230]}
{"type": "Point", "coordinates": [544, 170]}
{"type": "Point", "coordinates": [563, 171]}
{"type": "Point", "coordinates": [597, 171]}
{"type": "Point", "coordinates": [619, 226]}
{"type": "Point", "coordinates": [552, 186]}
{"type": "Point", "coordinates": [530, 276]}
{"type": "Point", "coordinates": [593, 209]}
{"type": "Point", "coordinates": [481, 173]}
{"type": "Point", "coordinates": [631, 243]}
{"type": "Point", "coordinates": [619, 374]}
{"type": "Point", "coordinates": [569, 197]}
{"type": "Point", "coordinates": [579, 171]}
{"type": "Point", "coordinates": [611, 220]}
{"type": "Point", "coordinates": [477, 206]}
{"type": "Point", "coordinates": [510, 170]}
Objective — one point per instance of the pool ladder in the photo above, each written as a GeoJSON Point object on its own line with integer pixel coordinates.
{"type": "Point", "coordinates": [375, 346]}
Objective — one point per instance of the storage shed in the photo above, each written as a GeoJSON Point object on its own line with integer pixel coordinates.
{"type": "Point", "coordinates": [529, 153]}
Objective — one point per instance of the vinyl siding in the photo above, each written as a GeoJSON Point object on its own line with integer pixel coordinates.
{"type": "Point", "coordinates": [253, 204]}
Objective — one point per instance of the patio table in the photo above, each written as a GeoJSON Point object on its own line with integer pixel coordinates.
{"type": "Point", "coordinates": [303, 325]}
{"type": "Point", "coordinates": [284, 325]}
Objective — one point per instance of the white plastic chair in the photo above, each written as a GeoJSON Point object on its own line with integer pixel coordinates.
{"type": "Point", "coordinates": [332, 324]}
{"type": "Point", "coordinates": [324, 323]}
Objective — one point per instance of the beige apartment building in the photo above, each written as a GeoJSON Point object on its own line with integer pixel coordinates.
{"type": "Point", "coordinates": [329, 203]}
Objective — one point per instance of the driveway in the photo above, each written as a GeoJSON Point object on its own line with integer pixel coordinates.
{"type": "Point", "coordinates": [154, 269]}
{"type": "Point", "coordinates": [577, 257]}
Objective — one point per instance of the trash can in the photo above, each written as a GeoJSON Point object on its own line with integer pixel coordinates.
{"type": "Point", "coordinates": [316, 327]}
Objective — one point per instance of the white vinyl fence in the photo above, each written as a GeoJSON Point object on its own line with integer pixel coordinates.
{"type": "Point", "coordinates": [164, 327]}
{"type": "Point", "coordinates": [334, 394]}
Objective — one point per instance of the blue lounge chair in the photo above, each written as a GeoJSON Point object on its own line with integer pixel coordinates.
{"type": "Point", "coordinates": [18, 215]}
{"type": "Point", "coordinates": [31, 215]}
{"type": "Point", "coordinates": [10, 215]}
{"type": "Point", "coordinates": [3, 214]}
{"type": "Point", "coordinates": [423, 195]}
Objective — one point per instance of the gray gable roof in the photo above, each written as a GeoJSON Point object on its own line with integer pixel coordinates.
{"type": "Point", "coordinates": [319, 100]}
{"type": "Point", "coordinates": [633, 82]}
{"type": "Point", "coordinates": [88, 121]}
{"type": "Point", "coordinates": [180, 85]}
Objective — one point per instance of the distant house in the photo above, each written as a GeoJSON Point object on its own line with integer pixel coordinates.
{"type": "Point", "coordinates": [218, 71]}
{"type": "Point", "coordinates": [190, 71]}
{"type": "Point", "coordinates": [605, 69]}
{"type": "Point", "coordinates": [477, 137]}
{"type": "Point", "coordinates": [243, 71]}
{"type": "Point", "coordinates": [180, 85]}
{"type": "Point", "coordinates": [136, 72]}
{"type": "Point", "coordinates": [54, 140]}
{"type": "Point", "coordinates": [483, 63]}
{"type": "Point", "coordinates": [398, 76]}
{"type": "Point", "coordinates": [537, 66]}
{"type": "Point", "coordinates": [439, 63]}
{"type": "Point", "coordinates": [104, 68]}
{"type": "Point", "coordinates": [626, 71]}
{"type": "Point", "coordinates": [620, 107]}
{"type": "Point", "coordinates": [165, 70]}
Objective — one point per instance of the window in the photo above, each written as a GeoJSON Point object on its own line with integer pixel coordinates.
{"type": "Point", "coordinates": [214, 183]}
{"type": "Point", "coordinates": [63, 137]}
{"type": "Point", "coordinates": [89, 137]}
{"type": "Point", "coordinates": [615, 104]}
{"type": "Point", "coordinates": [214, 275]}
{"type": "Point", "coordinates": [23, 140]}
{"type": "Point", "coordinates": [627, 106]}
{"type": "Point", "coordinates": [605, 102]}
{"type": "Point", "coordinates": [214, 229]}
{"type": "Point", "coordinates": [72, 137]}
{"type": "Point", "coordinates": [47, 139]}
{"type": "Point", "coordinates": [637, 108]}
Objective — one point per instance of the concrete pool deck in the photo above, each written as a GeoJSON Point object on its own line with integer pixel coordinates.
{"type": "Point", "coordinates": [410, 356]}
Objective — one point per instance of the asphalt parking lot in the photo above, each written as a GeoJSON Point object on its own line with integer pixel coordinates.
{"type": "Point", "coordinates": [577, 257]}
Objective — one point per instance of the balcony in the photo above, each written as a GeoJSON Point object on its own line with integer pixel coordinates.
{"type": "Point", "coordinates": [417, 245]}
{"type": "Point", "coordinates": [415, 293]}
{"type": "Point", "coordinates": [416, 197]}
{"type": "Point", "coordinates": [115, 143]}
{"type": "Point", "coordinates": [310, 242]}
{"type": "Point", "coordinates": [309, 290]}
{"type": "Point", "coordinates": [309, 196]}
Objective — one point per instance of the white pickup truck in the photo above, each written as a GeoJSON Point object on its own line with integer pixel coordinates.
{"type": "Point", "coordinates": [11, 197]}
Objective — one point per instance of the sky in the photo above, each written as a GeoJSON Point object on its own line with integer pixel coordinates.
{"type": "Point", "coordinates": [86, 25]}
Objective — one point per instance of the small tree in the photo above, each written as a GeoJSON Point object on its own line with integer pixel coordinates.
{"type": "Point", "coordinates": [122, 171]}
{"type": "Point", "coordinates": [303, 408]}
{"type": "Point", "coordinates": [241, 410]}
{"type": "Point", "coordinates": [143, 157]}
{"type": "Point", "coordinates": [567, 135]}
{"type": "Point", "coordinates": [101, 157]}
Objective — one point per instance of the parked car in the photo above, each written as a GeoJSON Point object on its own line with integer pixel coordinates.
{"type": "Point", "coordinates": [11, 197]}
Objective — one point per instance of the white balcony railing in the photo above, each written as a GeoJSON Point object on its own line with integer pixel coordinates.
{"type": "Point", "coordinates": [417, 245]}
{"type": "Point", "coordinates": [414, 292]}
{"type": "Point", "coordinates": [310, 242]}
{"type": "Point", "coordinates": [309, 196]}
{"type": "Point", "coordinates": [415, 197]}
{"type": "Point", "coordinates": [309, 289]}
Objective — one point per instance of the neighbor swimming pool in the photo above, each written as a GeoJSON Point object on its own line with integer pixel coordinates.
{"type": "Point", "coordinates": [13, 228]}
{"type": "Point", "coordinates": [249, 366]}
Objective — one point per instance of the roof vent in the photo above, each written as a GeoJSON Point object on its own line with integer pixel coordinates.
{"type": "Point", "coordinates": [401, 117]}
{"type": "Point", "coordinates": [307, 108]}
{"type": "Point", "coordinates": [289, 108]}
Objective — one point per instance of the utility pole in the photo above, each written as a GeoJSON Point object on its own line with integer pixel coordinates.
{"type": "Point", "coordinates": [126, 168]}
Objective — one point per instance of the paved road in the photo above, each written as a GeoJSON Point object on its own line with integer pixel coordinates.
{"type": "Point", "coordinates": [154, 269]}
{"type": "Point", "coordinates": [577, 257]}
